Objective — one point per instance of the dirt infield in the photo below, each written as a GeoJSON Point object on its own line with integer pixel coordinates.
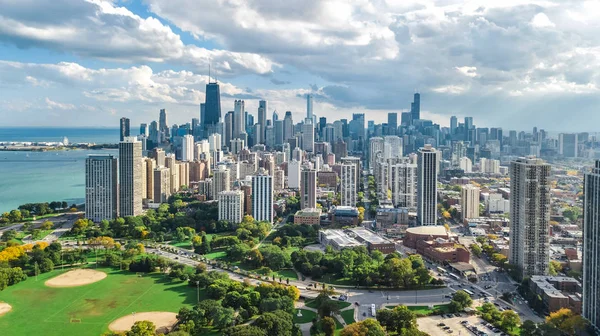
{"type": "Point", "coordinates": [163, 321]}
{"type": "Point", "coordinates": [74, 278]}
{"type": "Point", "coordinates": [4, 308]}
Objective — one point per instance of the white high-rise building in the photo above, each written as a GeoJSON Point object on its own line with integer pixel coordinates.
{"type": "Point", "coordinates": [568, 145]}
{"type": "Point", "coordinates": [187, 148]}
{"type": "Point", "coordinates": [308, 189]}
{"type": "Point", "coordinates": [375, 150]}
{"type": "Point", "coordinates": [262, 197]}
{"type": "Point", "coordinates": [469, 202]}
{"type": "Point", "coordinates": [237, 145]}
{"type": "Point", "coordinates": [489, 166]}
{"type": "Point", "coordinates": [221, 180]}
{"type": "Point", "coordinates": [465, 164]}
{"type": "Point", "coordinates": [403, 183]}
{"type": "Point", "coordinates": [308, 135]}
{"type": "Point", "coordinates": [392, 147]}
{"type": "Point", "coordinates": [214, 141]}
{"type": "Point", "coordinates": [239, 119]}
{"type": "Point", "coordinates": [309, 107]}
{"type": "Point", "coordinates": [130, 177]}
{"type": "Point", "coordinates": [231, 206]}
{"type": "Point", "coordinates": [101, 188]}
{"type": "Point", "coordinates": [530, 216]}
{"type": "Point", "coordinates": [427, 158]}
{"type": "Point", "coordinates": [591, 247]}
{"type": "Point", "coordinates": [348, 185]}
{"type": "Point", "coordinates": [294, 168]}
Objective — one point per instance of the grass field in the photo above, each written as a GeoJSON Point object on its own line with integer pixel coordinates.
{"type": "Point", "coordinates": [184, 244]}
{"type": "Point", "coordinates": [340, 304]}
{"type": "Point", "coordinates": [424, 310]}
{"type": "Point", "coordinates": [38, 309]}
{"type": "Point", "coordinates": [307, 316]}
{"type": "Point", "coordinates": [348, 316]}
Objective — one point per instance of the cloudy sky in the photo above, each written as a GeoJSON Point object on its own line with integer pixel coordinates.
{"type": "Point", "coordinates": [510, 63]}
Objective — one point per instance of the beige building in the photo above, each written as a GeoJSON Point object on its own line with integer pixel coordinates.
{"type": "Point", "coordinates": [231, 206]}
{"type": "Point", "coordinates": [162, 184]}
{"type": "Point", "coordinates": [469, 202]}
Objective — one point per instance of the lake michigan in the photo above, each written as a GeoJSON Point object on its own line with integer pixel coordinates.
{"type": "Point", "coordinates": [29, 177]}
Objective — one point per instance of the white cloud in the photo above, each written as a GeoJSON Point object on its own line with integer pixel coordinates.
{"type": "Point", "coordinates": [58, 106]}
{"type": "Point", "coordinates": [467, 71]}
{"type": "Point", "coordinates": [541, 20]}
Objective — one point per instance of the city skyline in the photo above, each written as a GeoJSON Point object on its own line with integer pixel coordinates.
{"type": "Point", "coordinates": [162, 56]}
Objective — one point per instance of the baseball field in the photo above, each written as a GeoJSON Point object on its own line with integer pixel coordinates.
{"type": "Point", "coordinates": [50, 306]}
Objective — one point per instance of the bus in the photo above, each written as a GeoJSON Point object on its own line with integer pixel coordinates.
{"type": "Point", "coordinates": [373, 310]}
{"type": "Point", "coordinates": [454, 276]}
{"type": "Point", "coordinates": [441, 270]}
{"type": "Point", "coordinates": [469, 292]}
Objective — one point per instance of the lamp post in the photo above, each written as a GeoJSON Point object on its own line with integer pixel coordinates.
{"type": "Point", "coordinates": [198, 291]}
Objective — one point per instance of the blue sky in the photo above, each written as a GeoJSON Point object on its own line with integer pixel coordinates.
{"type": "Point", "coordinates": [514, 64]}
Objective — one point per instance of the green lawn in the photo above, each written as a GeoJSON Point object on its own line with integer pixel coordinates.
{"type": "Point", "coordinates": [38, 309]}
{"type": "Point", "coordinates": [215, 255]}
{"type": "Point", "coordinates": [348, 316]}
{"type": "Point", "coordinates": [332, 280]}
{"type": "Point", "coordinates": [307, 316]}
{"type": "Point", "coordinates": [184, 244]}
{"type": "Point", "coordinates": [424, 310]}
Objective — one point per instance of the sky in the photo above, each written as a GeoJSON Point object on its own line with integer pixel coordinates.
{"type": "Point", "coordinates": [512, 63]}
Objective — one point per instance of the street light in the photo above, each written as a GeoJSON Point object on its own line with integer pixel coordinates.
{"type": "Point", "coordinates": [198, 291]}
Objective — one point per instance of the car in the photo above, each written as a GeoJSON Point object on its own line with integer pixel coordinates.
{"type": "Point", "coordinates": [364, 314]}
{"type": "Point", "coordinates": [176, 257]}
{"type": "Point", "coordinates": [441, 324]}
{"type": "Point", "coordinates": [356, 303]}
{"type": "Point", "coordinates": [457, 315]}
{"type": "Point", "coordinates": [334, 297]}
{"type": "Point", "coordinates": [370, 291]}
{"type": "Point", "coordinates": [447, 296]}
{"type": "Point", "coordinates": [464, 322]}
{"type": "Point", "coordinates": [450, 331]}
{"type": "Point", "coordinates": [446, 328]}
{"type": "Point", "coordinates": [496, 304]}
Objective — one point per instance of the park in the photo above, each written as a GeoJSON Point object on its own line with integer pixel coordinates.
{"type": "Point", "coordinates": [91, 301]}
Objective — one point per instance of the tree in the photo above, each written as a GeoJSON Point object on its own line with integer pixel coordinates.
{"type": "Point", "coordinates": [368, 327]}
{"type": "Point", "coordinates": [528, 328]}
{"type": "Point", "coordinates": [328, 326]}
{"type": "Point", "coordinates": [142, 328]}
{"type": "Point", "coordinates": [9, 235]}
{"type": "Point", "coordinates": [397, 319]}
{"type": "Point", "coordinates": [47, 225]}
{"type": "Point", "coordinates": [377, 256]}
{"type": "Point", "coordinates": [222, 317]}
{"type": "Point", "coordinates": [244, 330]}
{"type": "Point", "coordinates": [510, 320]}
{"type": "Point", "coordinates": [555, 267]}
{"type": "Point", "coordinates": [566, 321]}
{"type": "Point", "coordinates": [476, 250]}
{"type": "Point", "coordinates": [460, 301]}
{"type": "Point", "coordinates": [276, 323]}
{"type": "Point", "coordinates": [15, 216]}
{"type": "Point", "coordinates": [326, 306]}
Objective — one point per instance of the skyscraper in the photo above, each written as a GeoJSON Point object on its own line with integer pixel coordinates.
{"type": "Point", "coordinates": [591, 247]}
{"type": "Point", "coordinates": [392, 123]}
{"type": "Point", "coordinates": [469, 202]}
{"type": "Point", "coordinates": [309, 106]}
{"type": "Point", "coordinates": [221, 180]}
{"type": "Point", "coordinates": [415, 110]}
{"type": "Point", "coordinates": [348, 185]}
{"type": "Point", "coordinates": [187, 148]}
{"type": "Point", "coordinates": [239, 119]}
{"type": "Point", "coordinates": [308, 189]}
{"type": "Point", "coordinates": [144, 129]}
{"type": "Point", "coordinates": [403, 183]}
{"type": "Point", "coordinates": [308, 135]}
{"type": "Point", "coordinates": [212, 109]}
{"type": "Point", "coordinates": [125, 132]}
{"type": "Point", "coordinates": [162, 184]}
{"type": "Point", "coordinates": [530, 216]}
{"type": "Point", "coordinates": [101, 187]}
{"type": "Point", "coordinates": [262, 121]}
{"type": "Point", "coordinates": [288, 126]}
{"type": "Point", "coordinates": [567, 145]}
{"type": "Point", "coordinates": [228, 129]}
{"type": "Point", "coordinates": [294, 174]}
{"type": "Point", "coordinates": [163, 124]}
{"type": "Point", "coordinates": [262, 197]}
{"type": "Point", "coordinates": [427, 185]}
{"type": "Point", "coordinates": [453, 124]}
{"type": "Point", "coordinates": [130, 177]}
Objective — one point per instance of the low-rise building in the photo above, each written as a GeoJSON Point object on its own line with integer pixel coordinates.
{"type": "Point", "coordinates": [345, 215]}
{"type": "Point", "coordinates": [557, 292]}
{"type": "Point", "coordinates": [443, 250]}
{"type": "Point", "coordinates": [388, 216]}
{"type": "Point", "coordinates": [415, 234]}
{"type": "Point", "coordinates": [340, 239]}
{"type": "Point", "coordinates": [308, 216]}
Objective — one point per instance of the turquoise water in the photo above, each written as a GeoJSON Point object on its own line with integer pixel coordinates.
{"type": "Point", "coordinates": [28, 177]}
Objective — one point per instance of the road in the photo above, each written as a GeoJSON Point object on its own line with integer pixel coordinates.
{"type": "Point", "coordinates": [67, 221]}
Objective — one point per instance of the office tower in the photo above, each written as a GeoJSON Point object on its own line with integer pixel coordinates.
{"type": "Point", "coordinates": [231, 206]}
{"type": "Point", "coordinates": [453, 124]}
{"type": "Point", "coordinates": [278, 179]}
{"type": "Point", "coordinates": [459, 150]}
{"type": "Point", "coordinates": [329, 133]}
{"type": "Point", "coordinates": [392, 147]}
{"type": "Point", "coordinates": [466, 165]}
{"type": "Point", "coordinates": [308, 135]}
{"type": "Point", "coordinates": [275, 116]}
{"type": "Point", "coordinates": [309, 106]}
{"type": "Point", "coordinates": [162, 184]}
{"type": "Point", "coordinates": [591, 247]}
{"type": "Point", "coordinates": [212, 109]}
{"type": "Point", "coordinates": [187, 148]}
{"type": "Point", "coordinates": [101, 188]}
{"type": "Point", "coordinates": [298, 154]}
{"type": "Point", "coordinates": [163, 124]}
{"type": "Point", "coordinates": [403, 183]}
{"type": "Point", "coordinates": [239, 122]}
{"type": "Point", "coordinates": [288, 126]}
{"type": "Point", "coordinates": [149, 165]}
{"type": "Point", "coordinates": [270, 137]}
{"type": "Point", "coordinates": [567, 145]}
{"type": "Point", "coordinates": [214, 141]}
{"type": "Point", "coordinates": [406, 118]}
{"type": "Point", "coordinates": [392, 123]}
{"type": "Point", "coordinates": [321, 126]}
{"type": "Point", "coordinates": [201, 151]}
{"type": "Point", "coordinates": [468, 123]}
{"type": "Point", "coordinates": [228, 129]}
{"type": "Point", "coordinates": [144, 129]}
{"type": "Point", "coordinates": [294, 175]}
{"type": "Point", "coordinates": [278, 132]}
{"type": "Point", "coordinates": [415, 107]}
{"type": "Point", "coordinates": [130, 177]}
{"type": "Point", "coordinates": [530, 216]}
{"type": "Point", "coordinates": [202, 112]}
{"type": "Point", "coordinates": [469, 202]}
{"type": "Point", "coordinates": [171, 163]}
{"type": "Point", "coordinates": [262, 197]}
{"type": "Point", "coordinates": [262, 121]}
{"type": "Point", "coordinates": [236, 146]}
{"type": "Point", "coordinates": [427, 158]}
{"type": "Point", "coordinates": [124, 129]}
{"type": "Point", "coordinates": [154, 134]}
{"type": "Point", "coordinates": [357, 126]}
{"type": "Point", "coordinates": [184, 173]}
{"type": "Point", "coordinates": [375, 150]}
{"type": "Point", "coordinates": [221, 180]}
{"type": "Point", "coordinates": [356, 162]}
{"type": "Point", "coordinates": [489, 166]}
{"type": "Point", "coordinates": [340, 149]}
{"type": "Point", "coordinates": [308, 189]}
{"type": "Point", "coordinates": [348, 185]}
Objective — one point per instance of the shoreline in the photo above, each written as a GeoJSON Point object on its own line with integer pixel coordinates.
{"type": "Point", "coordinates": [55, 148]}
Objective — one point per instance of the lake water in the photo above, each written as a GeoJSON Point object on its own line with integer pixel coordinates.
{"type": "Point", "coordinates": [29, 177]}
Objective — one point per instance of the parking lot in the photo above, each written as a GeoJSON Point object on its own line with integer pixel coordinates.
{"type": "Point", "coordinates": [453, 325]}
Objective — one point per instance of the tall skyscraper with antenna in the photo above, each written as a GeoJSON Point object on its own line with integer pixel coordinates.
{"type": "Point", "coordinates": [212, 107]}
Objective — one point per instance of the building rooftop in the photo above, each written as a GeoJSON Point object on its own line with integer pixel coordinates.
{"type": "Point", "coordinates": [368, 236]}
{"type": "Point", "coordinates": [436, 230]}
{"type": "Point", "coordinates": [308, 212]}
{"type": "Point", "coordinates": [342, 239]}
